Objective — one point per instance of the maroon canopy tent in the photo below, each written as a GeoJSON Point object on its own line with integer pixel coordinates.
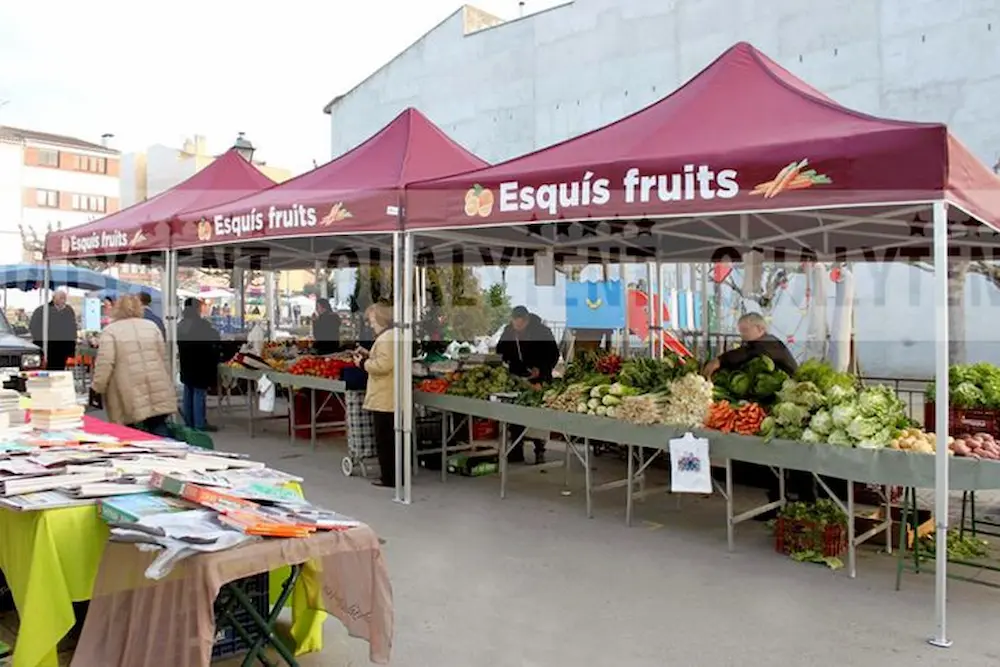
{"type": "Point", "coordinates": [742, 136]}
{"type": "Point", "coordinates": [358, 192]}
{"type": "Point", "coordinates": [144, 227]}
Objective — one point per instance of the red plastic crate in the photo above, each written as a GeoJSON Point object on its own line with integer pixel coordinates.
{"type": "Point", "coordinates": [332, 411]}
{"type": "Point", "coordinates": [485, 429]}
{"type": "Point", "coordinates": [791, 536]}
{"type": "Point", "coordinates": [961, 420]}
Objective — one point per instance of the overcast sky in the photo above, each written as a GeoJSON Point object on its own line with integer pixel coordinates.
{"type": "Point", "coordinates": [151, 73]}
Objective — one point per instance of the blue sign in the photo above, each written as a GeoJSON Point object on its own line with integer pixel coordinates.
{"type": "Point", "coordinates": [91, 314]}
{"type": "Point", "coordinates": [595, 305]}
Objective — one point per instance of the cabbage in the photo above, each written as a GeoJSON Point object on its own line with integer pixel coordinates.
{"type": "Point", "coordinates": [840, 438]}
{"type": "Point", "coordinates": [838, 394]}
{"type": "Point", "coordinates": [790, 414]}
{"type": "Point", "coordinates": [843, 415]}
{"type": "Point", "coordinates": [967, 395]}
{"type": "Point", "coordinates": [739, 385]}
{"type": "Point", "coordinates": [863, 428]}
{"type": "Point", "coordinates": [767, 427]}
{"type": "Point", "coordinates": [810, 435]}
{"type": "Point", "coordinates": [821, 423]}
{"type": "Point", "coordinates": [610, 400]}
{"type": "Point", "coordinates": [805, 394]}
{"type": "Point", "coordinates": [879, 401]}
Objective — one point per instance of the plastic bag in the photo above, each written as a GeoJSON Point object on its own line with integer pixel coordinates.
{"type": "Point", "coordinates": [690, 465]}
{"type": "Point", "coordinates": [256, 338]}
{"type": "Point", "coordinates": [265, 393]}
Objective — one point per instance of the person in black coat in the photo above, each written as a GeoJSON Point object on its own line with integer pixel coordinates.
{"type": "Point", "coordinates": [530, 351]}
{"type": "Point", "coordinates": [62, 331]}
{"type": "Point", "coordinates": [326, 329]}
{"type": "Point", "coordinates": [199, 349]}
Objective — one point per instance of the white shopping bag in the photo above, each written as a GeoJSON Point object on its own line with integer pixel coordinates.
{"type": "Point", "coordinates": [265, 392]}
{"type": "Point", "coordinates": [690, 467]}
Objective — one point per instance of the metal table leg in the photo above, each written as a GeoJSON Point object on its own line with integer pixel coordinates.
{"type": "Point", "coordinates": [445, 428]}
{"type": "Point", "coordinates": [291, 416]}
{"type": "Point", "coordinates": [630, 482]}
{"type": "Point", "coordinates": [587, 478]}
{"type": "Point", "coordinates": [312, 418]}
{"type": "Point", "coordinates": [730, 512]}
{"type": "Point", "coordinates": [852, 548]}
{"type": "Point", "coordinates": [503, 459]}
{"type": "Point", "coordinates": [251, 396]}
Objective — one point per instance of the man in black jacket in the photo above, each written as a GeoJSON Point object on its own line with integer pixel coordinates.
{"type": "Point", "coordinates": [62, 331]}
{"type": "Point", "coordinates": [530, 351]}
{"type": "Point", "coordinates": [326, 329]}
{"type": "Point", "coordinates": [198, 346]}
{"type": "Point", "coordinates": [757, 342]}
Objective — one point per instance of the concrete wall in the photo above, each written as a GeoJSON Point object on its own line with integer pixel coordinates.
{"type": "Point", "coordinates": [513, 88]}
{"type": "Point", "coordinates": [530, 82]}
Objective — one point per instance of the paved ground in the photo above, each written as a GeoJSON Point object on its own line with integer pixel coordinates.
{"type": "Point", "coordinates": [531, 582]}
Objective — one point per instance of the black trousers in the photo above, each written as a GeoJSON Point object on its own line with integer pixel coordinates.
{"type": "Point", "coordinates": [516, 455]}
{"type": "Point", "coordinates": [385, 445]}
{"type": "Point", "coordinates": [59, 352]}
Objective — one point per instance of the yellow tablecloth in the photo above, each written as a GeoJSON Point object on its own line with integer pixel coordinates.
{"type": "Point", "coordinates": [50, 560]}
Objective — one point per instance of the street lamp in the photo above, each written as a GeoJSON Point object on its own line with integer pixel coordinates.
{"type": "Point", "coordinates": [244, 147]}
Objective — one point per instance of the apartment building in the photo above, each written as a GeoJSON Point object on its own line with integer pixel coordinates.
{"type": "Point", "coordinates": [50, 181]}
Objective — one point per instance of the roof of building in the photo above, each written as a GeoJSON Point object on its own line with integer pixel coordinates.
{"type": "Point", "coordinates": [54, 139]}
{"type": "Point", "coordinates": [473, 20]}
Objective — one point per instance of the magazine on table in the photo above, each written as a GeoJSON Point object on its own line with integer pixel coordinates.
{"type": "Point", "coordinates": [22, 485]}
{"type": "Point", "coordinates": [42, 500]}
{"type": "Point", "coordinates": [265, 475]}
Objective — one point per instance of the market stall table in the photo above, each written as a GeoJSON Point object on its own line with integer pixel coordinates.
{"type": "Point", "coordinates": [343, 574]}
{"type": "Point", "coordinates": [50, 559]}
{"type": "Point", "coordinates": [335, 389]}
{"type": "Point", "coordinates": [885, 467]}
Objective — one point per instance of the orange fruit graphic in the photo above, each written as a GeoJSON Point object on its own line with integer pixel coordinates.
{"type": "Point", "coordinates": [478, 201]}
{"type": "Point", "coordinates": [204, 231]}
{"type": "Point", "coordinates": [485, 203]}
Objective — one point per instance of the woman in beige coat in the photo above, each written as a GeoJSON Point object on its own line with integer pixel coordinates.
{"type": "Point", "coordinates": [380, 395]}
{"type": "Point", "coordinates": [131, 370]}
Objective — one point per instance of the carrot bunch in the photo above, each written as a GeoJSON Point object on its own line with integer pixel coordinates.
{"type": "Point", "coordinates": [721, 417]}
{"type": "Point", "coordinates": [749, 417]}
{"type": "Point", "coordinates": [794, 176]}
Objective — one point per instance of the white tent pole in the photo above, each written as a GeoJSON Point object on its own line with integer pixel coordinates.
{"type": "Point", "coordinates": [172, 276]}
{"type": "Point", "coordinates": [408, 319]}
{"type": "Point", "coordinates": [706, 322]}
{"type": "Point", "coordinates": [46, 297]}
{"type": "Point", "coordinates": [650, 284]}
{"type": "Point", "coordinates": [941, 421]}
{"type": "Point", "coordinates": [626, 333]}
{"type": "Point", "coordinates": [398, 371]}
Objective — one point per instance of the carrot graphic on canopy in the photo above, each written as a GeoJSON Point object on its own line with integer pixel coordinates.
{"type": "Point", "coordinates": [794, 176]}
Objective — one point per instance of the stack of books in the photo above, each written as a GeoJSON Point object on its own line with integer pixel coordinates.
{"type": "Point", "coordinates": [10, 406]}
{"type": "Point", "coordinates": [53, 401]}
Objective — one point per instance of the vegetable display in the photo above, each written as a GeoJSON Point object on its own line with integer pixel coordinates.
{"type": "Point", "coordinates": [483, 381]}
{"type": "Point", "coordinates": [971, 386]}
{"type": "Point", "coordinates": [322, 367]}
{"type": "Point", "coordinates": [433, 386]}
{"type": "Point", "coordinates": [688, 401]}
{"type": "Point", "coordinates": [758, 380]}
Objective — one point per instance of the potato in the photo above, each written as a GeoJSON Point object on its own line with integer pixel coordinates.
{"type": "Point", "coordinates": [951, 440]}
{"type": "Point", "coordinates": [961, 449]}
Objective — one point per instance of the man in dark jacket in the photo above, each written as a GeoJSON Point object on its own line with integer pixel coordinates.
{"type": "Point", "coordinates": [530, 351]}
{"type": "Point", "coordinates": [147, 312]}
{"type": "Point", "coordinates": [326, 329]}
{"type": "Point", "coordinates": [198, 346]}
{"type": "Point", "coordinates": [757, 342]}
{"type": "Point", "coordinates": [62, 331]}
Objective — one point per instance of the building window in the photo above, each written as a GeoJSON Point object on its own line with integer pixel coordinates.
{"type": "Point", "coordinates": [48, 158]}
{"type": "Point", "coordinates": [47, 198]}
{"type": "Point", "coordinates": [95, 165]}
{"type": "Point", "coordinates": [89, 203]}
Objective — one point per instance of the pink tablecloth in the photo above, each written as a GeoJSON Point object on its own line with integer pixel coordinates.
{"type": "Point", "coordinates": [101, 427]}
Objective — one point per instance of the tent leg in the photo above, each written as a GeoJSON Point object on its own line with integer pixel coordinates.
{"type": "Point", "coordinates": [399, 374]}
{"type": "Point", "coordinates": [409, 275]}
{"type": "Point", "coordinates": [46, 297]}
{"type": "Point", "coordinates": [940, 638]}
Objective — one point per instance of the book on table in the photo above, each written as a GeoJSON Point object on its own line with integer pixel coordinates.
{"type": "Point", "coordinates": [132, 508]}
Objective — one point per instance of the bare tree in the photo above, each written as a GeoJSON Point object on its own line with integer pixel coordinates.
{"type": "Point", "coordinates": [34, 248]}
